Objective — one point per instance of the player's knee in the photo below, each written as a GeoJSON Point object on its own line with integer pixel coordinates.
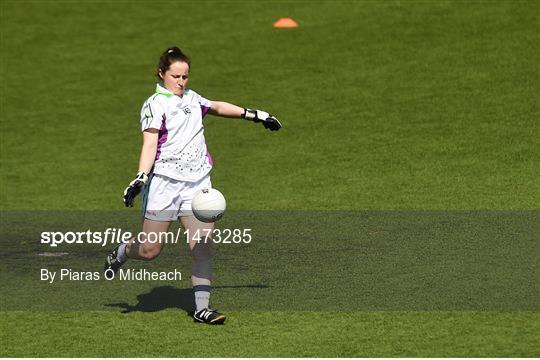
{"type": "Point", "coordinates": [149, 252]}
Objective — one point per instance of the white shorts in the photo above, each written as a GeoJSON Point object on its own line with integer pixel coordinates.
{"type": "Point", "coordinates": [166, 199]}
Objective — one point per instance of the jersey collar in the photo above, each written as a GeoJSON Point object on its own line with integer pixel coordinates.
{"type": "Point", "coordinates": [163, 91]}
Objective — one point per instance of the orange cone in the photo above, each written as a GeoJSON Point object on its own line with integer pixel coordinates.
{"type": "Point", "coordinates": [285, 23]}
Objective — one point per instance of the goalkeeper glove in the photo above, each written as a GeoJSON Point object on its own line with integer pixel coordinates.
{"type": "Point", "coordinates": [269, 121]}
{"type": "Point", "coordinates": [134, 188]}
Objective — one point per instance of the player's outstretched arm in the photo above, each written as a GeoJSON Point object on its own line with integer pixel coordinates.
{"type": "Point", "coordinates": [225, 109]}
{"type": "Point", "coordinates": [146, 162]}
{"type": "Point", "coordinates": [269, 121]}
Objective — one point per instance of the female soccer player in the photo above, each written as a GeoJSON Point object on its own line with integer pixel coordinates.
{"type": "Point", "coordinates": [174, 165]}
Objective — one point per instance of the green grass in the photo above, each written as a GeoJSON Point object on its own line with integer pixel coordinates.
{"type": "Point", "coordinates": [276, 334]}
{"type": "Point", "coordinates": [386, 105]}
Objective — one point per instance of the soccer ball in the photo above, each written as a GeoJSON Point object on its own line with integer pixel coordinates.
{"type": "Point", "coordinates": [208, 205]}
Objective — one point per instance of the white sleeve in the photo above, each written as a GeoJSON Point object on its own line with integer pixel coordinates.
{"type": "Point", "coordinates": [152, 115]}
{"type": "Point", "coordinates": [204, 103]}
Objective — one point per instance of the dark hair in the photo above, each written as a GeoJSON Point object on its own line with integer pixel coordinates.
{"type": "Point", "coordinates": [170, 56]}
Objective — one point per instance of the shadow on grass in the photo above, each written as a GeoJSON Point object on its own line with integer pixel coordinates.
{"type": "Point", "coordinates": [169, 297]}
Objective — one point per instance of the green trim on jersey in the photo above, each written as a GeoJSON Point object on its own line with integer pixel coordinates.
{"type": "Point", "coordinates": [161, 90]}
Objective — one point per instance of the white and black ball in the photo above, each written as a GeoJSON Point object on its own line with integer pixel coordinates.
{"type": "Point", "coordinates": [208, 205]}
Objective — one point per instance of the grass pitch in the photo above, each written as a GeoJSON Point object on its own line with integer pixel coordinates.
{"type": "Point", "coordinates": [274, 334]}
{"type": "Point", "coordinates": [391, 105]}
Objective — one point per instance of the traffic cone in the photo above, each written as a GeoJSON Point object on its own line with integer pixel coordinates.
{"type": "Point", "coordinates": [285, 23]}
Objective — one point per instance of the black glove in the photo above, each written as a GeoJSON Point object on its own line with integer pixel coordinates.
{"type": "Point", "coordinates": [134, 188]}
{"type": "Point", "coordinates": [269, 121]}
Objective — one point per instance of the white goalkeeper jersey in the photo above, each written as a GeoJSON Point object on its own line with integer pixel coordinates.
{"type": "Point", "coordinates": [181, 150]}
